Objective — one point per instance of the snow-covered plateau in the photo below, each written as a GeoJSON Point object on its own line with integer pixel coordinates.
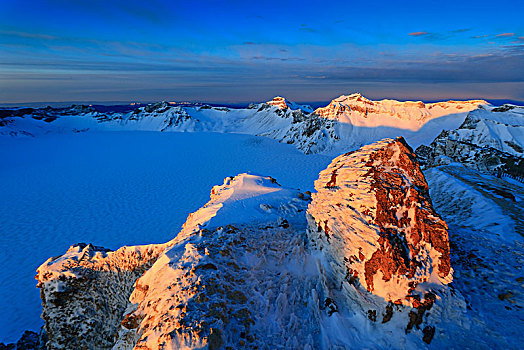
{"type": "Point", "coordinates": [308, 229]}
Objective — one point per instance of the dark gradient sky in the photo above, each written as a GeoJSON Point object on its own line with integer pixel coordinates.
{"type": "Point", "coordinates": [238, 51]}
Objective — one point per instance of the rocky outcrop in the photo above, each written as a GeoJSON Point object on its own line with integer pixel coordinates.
{"type": "Point", "coordinates": [387, 249]}
{"type": "Point", "coordinates": [279, 102]}
{"type": "Point", "coordinates": [86, 291]}
{"type": "Point", "coordinates": [368, 261]}
{"type": "Point", "coordinates": [283, 104]}
{"type": "Point", "coordinates": [372, 216]}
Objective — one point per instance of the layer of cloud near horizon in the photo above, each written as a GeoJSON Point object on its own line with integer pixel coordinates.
{"type": "Point", "coordinates": [236, 51]}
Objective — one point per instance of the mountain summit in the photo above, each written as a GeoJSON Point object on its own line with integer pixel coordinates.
{"type": "Point", "coordinates": [283, 103]}
{"type": "Point", "coordinates": [357, 110]}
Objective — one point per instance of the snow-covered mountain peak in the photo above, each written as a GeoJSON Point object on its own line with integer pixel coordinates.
{"type": "Point", "coordinates": [279, 102]}
{"type": "Point", "coordinates": [373, 217]}
{"type": "Point", "coordinates": [357, 110]}
{"type": "Point", "coordinates": [245, 198]}
{"type": "Point", "coordinates": [283, 103]}
{"type": "Point", "coordinates": [357, 96]}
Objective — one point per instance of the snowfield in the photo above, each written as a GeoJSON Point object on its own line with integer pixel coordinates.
{"type": "Point", "coordinates": [113, 189]}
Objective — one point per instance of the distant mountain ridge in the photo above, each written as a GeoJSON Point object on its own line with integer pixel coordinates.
{"type": "Point", "coordinates": [347, 122]}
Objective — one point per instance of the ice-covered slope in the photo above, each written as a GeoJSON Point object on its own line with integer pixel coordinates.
{"type": "Point", "coordinates": [486, 229]}
{"type": "Point", "coordinates": [233, 277]}
{"type": "Point", "coordinates": [348, 122]}
{"type": "Point", "coordinates": [489, 140]}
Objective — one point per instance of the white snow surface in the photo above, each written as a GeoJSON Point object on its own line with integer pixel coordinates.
{"type": "Point", "coordinates": [486, 228]}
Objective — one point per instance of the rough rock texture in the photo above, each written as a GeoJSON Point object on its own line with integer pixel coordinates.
{"type": "Point", "coordinates": [227, 287]}
{"type": "Point", "coordinates": [279, 102]}
{"type": "Point", "coordinates": [85, 293]}
{"type": "Point", "coordinates": [283, 104]}
{"type": "Point", "coordinates": [28, 341]}
{"type": "Point", "coordinates": [372, 216]}
{"type": "Point", "coordinates": [489, 141]}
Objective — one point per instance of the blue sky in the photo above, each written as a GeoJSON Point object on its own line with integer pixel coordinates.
{"type": "Point", "coordinates": [239, 51]}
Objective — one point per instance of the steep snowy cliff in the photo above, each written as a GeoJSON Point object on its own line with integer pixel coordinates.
{"type": "Point", "coordinates": [489, 140]}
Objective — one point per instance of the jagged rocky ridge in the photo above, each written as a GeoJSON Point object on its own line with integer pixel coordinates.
{"type": "Point", "coordinates": [489, 140]}
{"type": "Point", "coordinates": [243, 270]}
{"type": "Point", "coordinates": [348, 122]}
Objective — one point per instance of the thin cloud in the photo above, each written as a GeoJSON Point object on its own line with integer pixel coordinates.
{"type": "Point", "coordinates": [28, 35]}
{"type": "Point", "coordinates": [418, 34]}
{"type": "Point", "coordinates": [282, 59]}
{"type": "Point", "coordinates": [462, 30]}
{"type": "Point", "coordinates": [249, 43]}
{"type": "Point", "coordinates": [504, 35]}
{"type": "Point", "coordinates": [305, 28]}
{"type": "Point", "coordinates": [430, 36]}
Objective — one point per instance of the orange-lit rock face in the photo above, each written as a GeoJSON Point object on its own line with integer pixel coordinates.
{"type": "Point", "coordinates": [279, 102]}
{"type": "Point", "coordinates": [373, 216]}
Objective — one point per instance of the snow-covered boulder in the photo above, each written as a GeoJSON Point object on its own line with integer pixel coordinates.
{"type": "Point", "coordinates": [374, 223]}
